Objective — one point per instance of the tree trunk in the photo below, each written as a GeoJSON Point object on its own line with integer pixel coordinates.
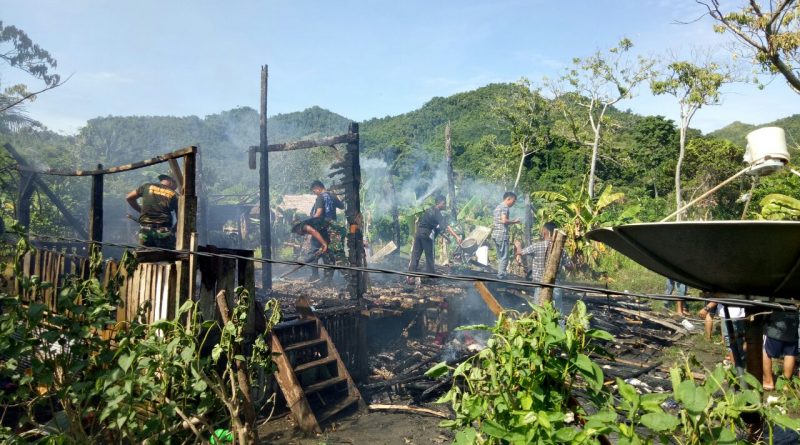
{"type": "Point", "coordinates": [521, 164]}
{"type": "Point", "coordinates": [684, 126]}
{"type": "Point", "coordinates": [596, 126]}
{"type": "Point", "coordinates": [593, 162]}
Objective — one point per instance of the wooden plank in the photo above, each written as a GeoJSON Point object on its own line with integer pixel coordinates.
{"type": "Point", "coordinates": [122, 168]}
{"type": "Point", "coordinates": [487, 296]}
{"type": "Point", "coordinates": [308, 143]}
{"type": "Point", "coordinates": [168, 305]}
{"type": "Point", "coordinates": [131, 303]}
{"type": "Point", "coordinates": [159, 293]}
{"type": "Point", "coordinates": [292, 392]}
{"type": "Point", "coordinates": [673, 326]}
{"type": "Point", "coordinates": [352, 390]}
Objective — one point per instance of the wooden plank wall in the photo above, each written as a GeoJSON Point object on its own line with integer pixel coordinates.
{"type": "Point", "coordinates": [347, 331]}
{"type": "Point", "coordinates": [148, 293]}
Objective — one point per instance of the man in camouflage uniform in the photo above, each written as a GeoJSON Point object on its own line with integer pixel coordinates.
{"type": "Point", "coordinates": [159, 201]}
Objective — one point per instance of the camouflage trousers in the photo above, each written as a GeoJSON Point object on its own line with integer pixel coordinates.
{"type": "Point", "coordinates": [161, 237]}
{"type": "Point", "coordinates": [335, 235]}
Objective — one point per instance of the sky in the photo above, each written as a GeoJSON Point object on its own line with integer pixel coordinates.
{"type": "Point", "coordinates": [361, 59]}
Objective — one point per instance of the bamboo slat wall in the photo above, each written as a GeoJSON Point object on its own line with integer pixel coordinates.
{"type": "Point", "coordinates": [149, 293]}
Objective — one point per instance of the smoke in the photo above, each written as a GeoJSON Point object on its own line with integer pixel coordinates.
{"type": "Point", "coordinates": [428, 178]}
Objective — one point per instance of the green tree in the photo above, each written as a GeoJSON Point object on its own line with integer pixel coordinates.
{"type": "Point", "coordinates": [654, 139]}
{"type": "Point", "coordinates": [768, 33]}
{"type": "Point", "coordinates": [710, 161]}
{"type": "Point", "coordinates": [18, 51]}
{"type": "Point", "coordinates": [528, 114]}
{"type": "Point", "coordinates": [597, 83]}
{"type": "Point", "coordinates": [694, 85]}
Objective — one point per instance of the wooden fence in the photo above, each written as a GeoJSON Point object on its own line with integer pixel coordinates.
{"type": "Point", "coordinates": [147, 294]}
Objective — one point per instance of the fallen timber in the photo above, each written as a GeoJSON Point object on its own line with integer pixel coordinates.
{"type": "Point", "coordinates": [416, 330]}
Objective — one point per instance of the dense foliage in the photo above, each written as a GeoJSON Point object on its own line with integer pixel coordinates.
{"type": "Point", "coordinates": [535, 383]}
{"type": "Point", "coordinates": [64, 382]}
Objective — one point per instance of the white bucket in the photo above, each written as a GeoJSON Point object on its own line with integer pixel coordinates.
{"type": "Point", "coordinates": [766, 150]}
{"type": "Point", "coordinates": [483, 255]}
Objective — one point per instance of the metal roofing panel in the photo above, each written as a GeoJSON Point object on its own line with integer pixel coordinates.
{"type": "Point", "coordinates": [740, 257]}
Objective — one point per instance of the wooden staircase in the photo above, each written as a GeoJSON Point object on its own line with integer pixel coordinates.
{"type": "Point", "coordinates": [311, 375]}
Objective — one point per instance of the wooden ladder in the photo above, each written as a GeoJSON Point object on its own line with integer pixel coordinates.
{"type": "Point", "coordinates": [311, 374]}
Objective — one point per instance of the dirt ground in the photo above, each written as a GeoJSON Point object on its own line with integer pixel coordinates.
{"type": "Point", "coordinates": [366, 428]}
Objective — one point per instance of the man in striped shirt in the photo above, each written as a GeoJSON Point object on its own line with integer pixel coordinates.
{"type": "Point", "coordinates": [539, 250]}
{"type": "Point", "coordinates": [500, 231]}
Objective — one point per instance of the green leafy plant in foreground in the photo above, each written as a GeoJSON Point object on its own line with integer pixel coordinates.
{"type": "Point", "coordinates": [535, 383]}
{"type": "Point", "coordinates": [63, 382]}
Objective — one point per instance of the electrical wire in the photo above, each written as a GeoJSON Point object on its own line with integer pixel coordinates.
{"type": "Point", "coordinates": [731, 301]}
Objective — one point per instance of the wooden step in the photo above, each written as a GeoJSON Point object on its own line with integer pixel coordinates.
{"type": "Point", "coordinates": [320, 362]}
{"type": "Point", "coordinates": [296, 323]}
{"type": "Point", "coordinates": [336, 408]}
{"type": "Point", "coordinates": [324, 384]}
{"type": "Point", "coordinates": [304, 344]}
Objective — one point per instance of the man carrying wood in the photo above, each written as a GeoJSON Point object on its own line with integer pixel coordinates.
{"type": "Point", "coordinates": [159, 201]}
{"type": "Point", "coordinates": [431, 223]}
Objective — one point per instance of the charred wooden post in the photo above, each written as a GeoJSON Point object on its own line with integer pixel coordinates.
{"type": "Point", "coordinates": [96, 208]}
{"type": "Point", "coordinates": [355, 238]}
{"type": "Point", "coordinates": [754, 339]}
{"type": "Point", "coordinates": [24, 199]}
{"type": "Point", "coordinates": [395, 212]}
{"type": "Point", "coordinates": [451, 184]}
{"type": "Point", "coordinates": [34, 179]}
{"type": "Point", "coordinates": [202, 202]}
{"type": "Point", "coordinates": [551, 266]}
{"type": "Point", "coordinates": [187, 224]}
{"type": "Point", "coordinates": [264, 216]}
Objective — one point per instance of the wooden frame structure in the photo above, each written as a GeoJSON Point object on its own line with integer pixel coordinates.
{"type": "Point", "coordinates": [187, 204]}
{"type": "Point", "coordinates": [350, 170]}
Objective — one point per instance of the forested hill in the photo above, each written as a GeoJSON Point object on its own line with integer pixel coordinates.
{"type": "Point", "coordinates": [737, 131]}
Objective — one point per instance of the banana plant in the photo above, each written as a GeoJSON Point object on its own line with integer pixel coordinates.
{"type": "Point", "coordinates": [780, 207]}
{"type": "Point", "coordinates": [576, 213]}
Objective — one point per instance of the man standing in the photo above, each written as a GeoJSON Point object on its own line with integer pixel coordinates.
{"type": "Point", "coordinates": [159, 201]}
{"type": "Point", "coordinates": [780, 340]}
{"type": "Point", "coordinates": [681, 290]}
{"type": "Point", "coordinates": [500, 231]}
{"type": "Point", "coordinates": [431, 223]}
{"type": "Point", "coordinates": [539, 250]}
{"type": "Point", "coordinates": [324, 210]}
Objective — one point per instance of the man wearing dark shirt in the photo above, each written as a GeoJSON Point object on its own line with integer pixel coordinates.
{"type": "Point", "coordinates": [324, 210]}
{"type": "Point", "coordinates": [430, 224]}
{"type": "Point", "coordinates": [159, 201]}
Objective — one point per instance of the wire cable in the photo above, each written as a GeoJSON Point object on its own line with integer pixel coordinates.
{"type": "Point", "coordinates": [731, 301]}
